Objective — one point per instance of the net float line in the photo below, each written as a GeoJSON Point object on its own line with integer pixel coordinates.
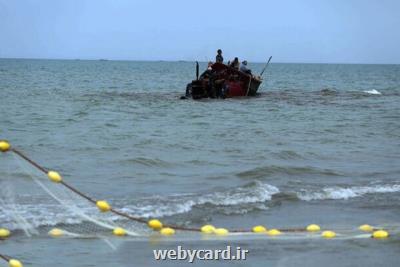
{"type": "Point", "coordinates": [169, 229]}
{"type": "Point", "coordinates": [4, 257]}
{"type": "Point", "coordinates": [4, 234]}
{"type": "Point", "coordinates": [11, 262]}
{"type": "Point", "coordinates": [101, 204]}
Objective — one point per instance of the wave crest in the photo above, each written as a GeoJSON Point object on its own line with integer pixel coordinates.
{"type": "Point", "coordinates": [255, 192]}
{"type": "Point", "coordinates": [346, 193]}
{"type": "Point", "coordinates": [373, 92]}
{"type": "Point", "coordinates": [267, 171]}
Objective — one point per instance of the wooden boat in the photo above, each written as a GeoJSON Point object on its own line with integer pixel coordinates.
{"type": "Point", "coordinates": [222, 81]}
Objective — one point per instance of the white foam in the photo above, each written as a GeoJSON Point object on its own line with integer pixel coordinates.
{"type": "Point", "coordinates": [373, 92]}
{"type": "Point", "coordinates": [184, 203]}
{"type": "Point", "coordinates": [50, 214]}
{"type": "Point", "coordinates": [346, 193]}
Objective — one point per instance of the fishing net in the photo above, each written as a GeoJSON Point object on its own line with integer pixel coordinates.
{"type": "Point", "coordinates": [34, 202]}
{"type": "Point", "coordinates": [79, 215]}
{"type": "Point", "coordinates": [35, 205]}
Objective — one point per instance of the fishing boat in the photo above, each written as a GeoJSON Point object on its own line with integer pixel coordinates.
{"type": "Point", "coordinates": [223, 81]}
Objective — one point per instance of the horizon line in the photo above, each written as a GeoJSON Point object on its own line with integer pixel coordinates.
{"type": "Point", "coordinates": [186, 60]}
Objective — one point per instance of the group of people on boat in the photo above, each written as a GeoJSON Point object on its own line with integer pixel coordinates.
{"type": "Point", "coordinates": [222, 80]}
{"type": "Point", "coordinates": [214, 83]}
{"type": "Point", "coordinates": [213, 87]}
{"type": "Point", "coordinates": [234, 64]}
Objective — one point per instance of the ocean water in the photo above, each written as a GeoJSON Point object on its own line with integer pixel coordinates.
{"type": "Point", "coordinates": [319, 144]}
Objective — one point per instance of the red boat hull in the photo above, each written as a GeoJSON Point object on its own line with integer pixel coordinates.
{"type": "Point", "coordinates": [224, 82]}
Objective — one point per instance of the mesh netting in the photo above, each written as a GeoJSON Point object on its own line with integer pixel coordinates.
{"type": "Point", "coordinates": [77, 214]}
{"type": "Point", "coordinates": [36, 213]}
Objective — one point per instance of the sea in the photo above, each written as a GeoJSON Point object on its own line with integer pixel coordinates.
{"type": "Point", "coordinates": [319, 144]}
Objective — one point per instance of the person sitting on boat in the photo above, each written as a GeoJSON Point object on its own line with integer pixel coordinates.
{"type": "Point", "coordinates": [244, 68]}
{"type": "Point", "coordinates": [219, 58]}
{"type": "Point", "coordinates": [235, 63]}
{"type": "Point", "coordinates": [208, 77]}
{"type": "Point", "coordinates": [208, 72]}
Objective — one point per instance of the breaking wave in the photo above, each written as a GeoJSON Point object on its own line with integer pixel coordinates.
{"type": "Point", "coordinates": [346, 192]}
{"type": "Point", "coordinates": [254, 195]}
{"type": "Point", "coordinates": [44, 214]}
{"type": "Point", "coordinates": [255, 192]}
{"type": "Point", "coordinates": [373, 92]}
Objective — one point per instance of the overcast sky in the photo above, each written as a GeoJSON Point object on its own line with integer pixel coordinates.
{"type": "Point", "coordinates": [332, 31]}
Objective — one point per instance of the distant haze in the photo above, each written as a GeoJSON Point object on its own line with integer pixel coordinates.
{"type": "Point", "coordinates": [338, 31]}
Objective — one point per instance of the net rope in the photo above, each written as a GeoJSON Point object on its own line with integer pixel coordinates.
{"type": "Point", "coordinates": [85, 219]}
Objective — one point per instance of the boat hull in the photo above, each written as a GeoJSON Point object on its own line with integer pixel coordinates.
{"type": "Point", "coordinates": [223, 82]}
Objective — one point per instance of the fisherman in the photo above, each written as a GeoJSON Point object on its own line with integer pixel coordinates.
{"type": "Point", "coordinates": [208, 72]}
{"type": "Point", "coordinates": [219, 58]}
{"type": "Point", "coordinates": [208, 78]}
{"type": "Point", "coordinates": [235, 63]}
{"type": "Point", "coordinates": [244, 68]}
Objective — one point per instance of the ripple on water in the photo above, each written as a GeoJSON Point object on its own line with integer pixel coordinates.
{"type": "Point", "coordinates": [274, 170]}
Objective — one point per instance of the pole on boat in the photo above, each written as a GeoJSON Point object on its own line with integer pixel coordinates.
{"type": "Point", "coordinates": [262, 72]}
{"type": "Point", "coordinates": [197, 70]}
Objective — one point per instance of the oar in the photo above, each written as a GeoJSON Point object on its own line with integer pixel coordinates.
{"type": "Point", "coordinates": [197, 70]}
{"type": "Point", "coordinates": [262, 72]}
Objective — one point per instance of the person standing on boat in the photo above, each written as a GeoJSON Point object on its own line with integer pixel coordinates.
{"type": "Point", "coordinates": [244, 68]}
{"type": "Point", "coordinates": [219, 58]}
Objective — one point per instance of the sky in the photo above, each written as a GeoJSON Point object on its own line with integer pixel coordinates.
{"type": "Point", "coordinates": [309, 31]}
